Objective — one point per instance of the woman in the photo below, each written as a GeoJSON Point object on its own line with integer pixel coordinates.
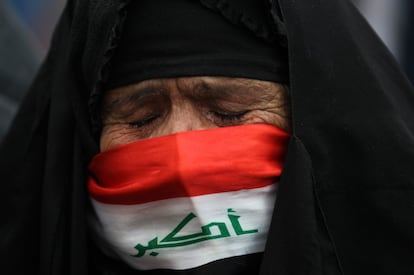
{"type": "Point", "coordinates": [344, 199]}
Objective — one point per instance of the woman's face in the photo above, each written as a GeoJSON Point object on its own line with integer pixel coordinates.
{"type": "Point", "coordinates": [160, 107]}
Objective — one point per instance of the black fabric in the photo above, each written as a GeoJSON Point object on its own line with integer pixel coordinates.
{"type": "Point", "coordinates": [186, 39]}
{"type": "Point", "coordinates": [346, 196]}
{"type": "Point", "coordinates": [247, 264]}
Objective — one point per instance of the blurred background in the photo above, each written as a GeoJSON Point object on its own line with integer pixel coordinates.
{"type": "Point", "coordinates": [26, 27]}
{"type": "Point", "coordinates": [393, 20]}
{"type": "Point", "coordinates": [39, 17]}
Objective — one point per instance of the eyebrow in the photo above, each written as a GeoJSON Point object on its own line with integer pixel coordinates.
{"type": "Point", "coordinates": [130, 96]}
{"type": "Point", "coordinates": [241, 91]}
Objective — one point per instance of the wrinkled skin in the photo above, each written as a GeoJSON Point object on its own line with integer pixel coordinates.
{"type": "Point", "coordinates": [160, 107]}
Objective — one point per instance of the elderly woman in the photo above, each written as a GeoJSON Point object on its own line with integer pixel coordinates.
{"type": "Point", "coordinates": [159, 133]}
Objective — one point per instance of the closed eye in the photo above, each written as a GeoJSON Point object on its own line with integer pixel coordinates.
{"type": "Point", "coordinates": [226, 118]}
{"type": "Point", "coordinates": [230, 116]}
{"type": "Point", "coordinates": [143, 122]}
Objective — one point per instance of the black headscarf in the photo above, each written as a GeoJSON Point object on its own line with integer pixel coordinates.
{"type": "Point", "coordinates": [161, 43]}
{"type": "Point", "coordinates": [346, 196]}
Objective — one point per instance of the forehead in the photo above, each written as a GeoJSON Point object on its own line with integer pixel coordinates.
{"type": "Point", "coordinates": [198, 87]}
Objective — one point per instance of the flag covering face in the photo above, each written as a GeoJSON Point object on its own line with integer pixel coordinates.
{"type": "Point", "coordinates": [184, 200]}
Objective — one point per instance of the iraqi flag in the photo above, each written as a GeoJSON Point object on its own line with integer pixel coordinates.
{"type": "Point", "coordinates": [185, 200]}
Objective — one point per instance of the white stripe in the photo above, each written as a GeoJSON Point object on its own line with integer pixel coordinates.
{"type": "Point", "coordinates": [125, 226]}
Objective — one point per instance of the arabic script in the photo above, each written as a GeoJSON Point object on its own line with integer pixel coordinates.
{"type": "Point", "coordinates": [172, 240]}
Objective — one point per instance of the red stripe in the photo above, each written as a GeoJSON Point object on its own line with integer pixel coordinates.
{"type": "Point", "coordinates": [189, 164]}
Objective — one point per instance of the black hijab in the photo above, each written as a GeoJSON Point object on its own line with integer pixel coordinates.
{"type": "Point", "coordinates": [160, 43]}
{"type": "Point", "coordinates": [345, 199]}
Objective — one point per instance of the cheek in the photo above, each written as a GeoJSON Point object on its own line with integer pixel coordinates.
{"type": "Point", "coordinates": [115, 135]}
{"type": "Point", "coordinates": [273, 116]}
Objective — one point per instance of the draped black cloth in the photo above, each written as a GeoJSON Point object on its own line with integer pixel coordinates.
{"type": "Point", "coordinates": [160, 43]}
{"type": "Point", "coordinates": [346, 196]}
